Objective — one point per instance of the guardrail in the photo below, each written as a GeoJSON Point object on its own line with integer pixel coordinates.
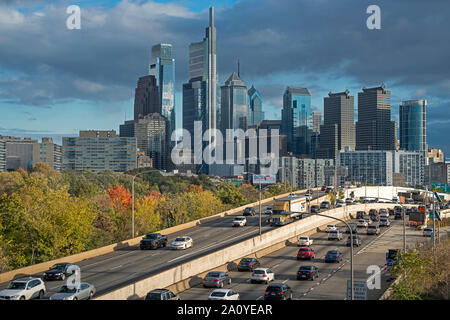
{"type": "Point", "coordinates": [41, 267]}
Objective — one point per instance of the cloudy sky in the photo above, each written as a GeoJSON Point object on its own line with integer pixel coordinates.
{"type": "Point", "coordinates": [55, 81]}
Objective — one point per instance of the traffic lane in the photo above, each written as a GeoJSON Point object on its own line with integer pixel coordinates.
{"type": "Point", "coordinates": [285, 265]}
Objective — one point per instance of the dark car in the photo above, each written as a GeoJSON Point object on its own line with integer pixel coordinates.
{"type": "Point", "coordinates": [375, 217]}
{"type": "Point", "coordinates": [325, 205]}
{"type": "Point", "coordinates": [307, 273]}
{"type": "Point", "coordinates": [391, 212]}
{"type": "Point", "coordinates": [324, 188]}
{"type": "Point", "coordinates": [248, 264]}
{"type": "Point", "coordinates": [278, 291]}
{"type": "Point", "coordinates": [333, 256]}
{"type": "Point", "coordinates": [216, 279]}
{"type": "Point", "coordinates": [360, 214]}
{"type": "Point", "coordinates": [249, 211]}
{"type": "Point", "coordinates": [356, 241]}
{"type": "Point", "coordinates": [329, 190]}
{"type": "Point", "coordinates": [161, 294]}
{"type": "Point", "coordinates": [153, 241]}
{"type": "Point", "coordinates": [398, 215]}
{"type": "Point", "coordinates": [59, 271]}
{"type": "Point", "coordinates": [315, 208]}
{"type": "Point", "coordinates": [408, 211]}
{"type": "Point", "coordinates": [354, 228]}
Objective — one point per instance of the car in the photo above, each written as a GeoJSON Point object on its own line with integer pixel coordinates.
{"type": "Point", "coordinates": [324, 188]}
{"type": "Point", "coordinates": [391, 212]}
{"type": "Point", "coordinates": [383, 213]}
{"type": "Point", "coordinates": [239, 221]}
{"type": "Point", "coordinates": [395, 199]}
{"type": "Point", "coordinates": [373, 230]}
{"type": "Point", "coordinates": [398, 209]}
{"type": "Point", "coordinates": [362, 223]}
{"type": "Point", "coordinates": [360, 214]}
{"type": "Point", "coordinates": [331, 227]}
{"type": "Point", "coordinates": [329, 190]}
{"type": "Point", "coordinates": [307, 273]}
{"type": "Point", "coordinates": [408, 211]}
{"type": "Point", "coordinates": [340, 204]}
{"type": "Point", "coordinates": [325, 205]}
{"type": "Point", "coordinates": [355, 202]}
{"type": "Point", "coordinates": [398, 215]}
{"type": "Point", "coordinates": [304, 241]}
{"type": "Point", "coordinates": [308, 196]}
{"type": "Point", "coordinates": [384, 222]}
{"type": "Point", "coordinates": [349, 201]}
{"type": "Point", "coordinates": [356, 241]}
{"type": "Point", "coordinates": [161, 294]}
{"type": "Point", "coordinates": [224, 294]}
{"type": "Point", "coordinates": [315, 208]}
{"type": "Point", "coordinates": [353, 227]}
{"type": "Point", "coordinates": [85, 291]}
{"type": "Point", "coordinates": [374, 217]}
{"type": "Point", "coordinates": [153, 241]}
{"type": "Point", "coordinates": [333, 256]}
{"type": "Point", "coordinates": [427, 232]}
{"type": "Point", "coordinates": [305, 253]}
{"type": "Point", "coordinates": [373, 212]}
{"type": "Point", "coordinates": [216, 279]}
{"type": "Point", "coordinates": [249, 211]}
{"type": "Point", "coordinates": [248, 264]}
{"type": "Point", "coordinates": [262, 275]}
{"type": "Point", "coordinates": [335, 235]}
{"type": "Point", "coordinates": [268, 210]}
{"type": "Point", "coordinates": [59, 271]}
{"type": "Point", "coordinates": [421, 227]}
{"type": "Point", "coordinates": [278, 291]}
{"type": "Point", "coordinates": [368, 220]}
{"type": "Point", "coordinates": [181, 243]}
{"type": "Point", "coordinates": [24, 289]}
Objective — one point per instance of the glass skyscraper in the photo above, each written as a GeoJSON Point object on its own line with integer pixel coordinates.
{"type": "Point", "coordinates": [162, 66]}
{"type": "Point", "coordinates": [413, 125]}
{"type": "Point", "coordinates": [234, 104]}
{"type": "Point", "coordinates": [297, 122]}
{"type": "Point", "coordinates": [256, 115]}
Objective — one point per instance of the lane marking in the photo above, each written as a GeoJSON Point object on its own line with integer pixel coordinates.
{"type": "Point", "coordinates": [116, 267]}
{"type": "Point", "coordinates": [259, 298]}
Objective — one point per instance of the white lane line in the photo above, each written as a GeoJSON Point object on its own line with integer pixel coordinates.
{"type": "Point", "coordinates": [259, 298]}
{"type": "Point", "coordinates": [285, 280]}
{"type": "Point", "coordinates": [116, 267]}
{"type": "Point", "coordinates": [276, 266]}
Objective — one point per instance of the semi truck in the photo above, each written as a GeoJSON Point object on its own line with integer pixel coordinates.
{"type": "Point", "coordinates": [417, 218]}
{"type": "Point", "coordinates": [288, 209]}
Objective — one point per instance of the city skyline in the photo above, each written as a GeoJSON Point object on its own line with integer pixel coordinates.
{"type": "Point", "coordinates": [89, 103]}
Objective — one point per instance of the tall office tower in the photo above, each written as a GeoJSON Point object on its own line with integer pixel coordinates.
{"type": "Point", "coordinates": [256, 115]}
{"type": "Point", "coordinates": [374, 128]}
{"type": "Point", "coordinates": [338, 130]}
{"type": "Point", "coordinates": [99, 151]}
{"type": "Point", "coordinates": [413, 125]}
{"type": "Point", "coordinates": [2, 155]}
{"type": "Point", "coordinates": [49, 152]}
{"type": "Point", "coordinates": [297, 120]}
{"type": "Point", "coordinates": [234, 104]}
{"type": "Point", "coordinates": [317, 121]}
{"type": "Point", "coordinates": [162, 66]}
{"type": "Point", "coordinates": [19, 153]}
{"type": "Point", "coordinates": [146, 99]}
{"type": "Point", "coordinates": [201, 93]}
{"type": "Point", "coordinates": [153, 138]}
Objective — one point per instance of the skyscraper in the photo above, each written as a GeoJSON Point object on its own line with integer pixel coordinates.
{"type": "Point", "coordinates": [317, 121]}
{"type": "Point", "coordinates": [234, 104]}
{"type": "Point", "coordinates": [413, 125]}
{"type": "Point", "coordinates": [374, 128]}
{"type": "Point", "coordinates": [297, 120]}
{"type": "Point", "coordinates": [200, 94]}
{"type": "Point", "coordinates": [338, 130]}
{"type": "Point", "coordinates": [256, 115]}
{"type": "Point", "coordinates": [146, 99]}
{"type": "Point", "coordinates": [162, 66]}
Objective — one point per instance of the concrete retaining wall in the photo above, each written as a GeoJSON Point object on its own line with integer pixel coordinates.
{"type": "Point", "coordinates": [41, 267]}
{"type": "Point", "coordinates": [180, 276]}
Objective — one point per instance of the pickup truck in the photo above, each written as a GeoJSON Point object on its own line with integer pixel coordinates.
{"type": "Point", "coordinates": [153, 241]}
{"type": "Point", "coordinates": [304, 241]}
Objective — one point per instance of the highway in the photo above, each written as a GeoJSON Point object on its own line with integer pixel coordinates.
{"type": "Point", "coordinates": [332, 281]}
{"type": "Point", "coordinates": [125, 266]}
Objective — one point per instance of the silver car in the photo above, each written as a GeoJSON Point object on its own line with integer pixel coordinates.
{"type": "Point", "coordinates": [84, 292]}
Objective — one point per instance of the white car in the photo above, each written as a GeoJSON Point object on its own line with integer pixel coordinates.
{"type": "Point", "coordinates": [368, 220]}
{"type": "Point", "coordinates": [331, 227]}
{"type": "Point", "coordinates": [427, 232]}
{"type": "Point", "coordinates": [224, 294]}
{"type": "Point", "coordinates": [239, 221]}
{"type": "Point", "coordinates": [84, 292]}
{"type": "Point", "coordinates": [304, 241]}
{"type": "Point", "coordinates": [183, 242]}
{"type": "Point", "coordinates": [362, 223]}
{"type": "Point", "coordinates": [383, 213]}
{"type": "Point", "coordinates": [340, 204]}
{"type": "Point", "coordinates": [24, 289]}
{"type": "Point", "coordinates": [262, 275]}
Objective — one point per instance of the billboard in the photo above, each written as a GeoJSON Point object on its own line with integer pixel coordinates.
{"type": "Point", "coordinates": [264, 179]}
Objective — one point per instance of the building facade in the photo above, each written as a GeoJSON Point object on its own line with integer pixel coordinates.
{"type": "Point", "coordinates": [49, 152]}
{"type": "Point", "coordinates": [297, 123]}
{"type": "Point", "coordinates": [234, 104]}
{"type": "Point", "coordinates": [317, 121]}
{"type": "Point", "coordinates": [19, 153]}
{"type": "Point", "coordinates": [305, 173]}
{"type": "Point", "coordinates": [374, 128]}
{"type": "Point", "coordinates": [256, 114]}
{"type": "Point", "coordinates": [2, 155]}
{"type": "Point", "coordinates": [437, 172]}
{"type": "Point", "coordinates": [413, 125]}
{"type": "Point", "coordinates": [99, 151]}
{"type": "Point", "coordinates": [434, 156]}
{"type": "Point", "coordinates": [146, 98]}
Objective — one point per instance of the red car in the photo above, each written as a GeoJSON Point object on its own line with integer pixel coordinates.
{"type": "Point", "coordinates": [305, 253]}
{"type": "Point", "coordinates": [324, 188]}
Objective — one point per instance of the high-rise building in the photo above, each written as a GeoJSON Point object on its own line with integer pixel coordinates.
{"type": "Point", "coordinates": [99, 151]}
{"type": "Point", "coordinates": [305, 173]}
{"type": "Point", "coordinates": [19, 152]}
{"type": "Point", "coordinates": [162, 66]}
{"type": "Point", "coordinates": [317, 121]}
{"type": "Point", "coordinates": [297, 121]}
{"type": "Point", "coordinates": [434, 156]}
{"type": "Point", "coordinates": [338, 129]}
{"type": "Point", "coordinates": [146, 98]}
{"type": "Point", "coordinates": [234, 104]}
{"type": "Point", "coordinates": [374, 128]}
{"type": "Point", "coordinates": [413, 125]}
{"type": "Point", "coordinates": [256, 115]}
{"type": "Point", "coordinates": [49, 152]}
{"type": "Point", "coordinates": [2, 155]}
{"type": "Point", "coordinates": [201, 94]}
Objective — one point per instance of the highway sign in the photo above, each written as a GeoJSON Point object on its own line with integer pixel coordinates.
{"type": "Point", "coordinates": [264, 179]}
{"type": "Point", "coordinates": [440, 187]}
{"type": "Point", "coordinates": [359, 290]}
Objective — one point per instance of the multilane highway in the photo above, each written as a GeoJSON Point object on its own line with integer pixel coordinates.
{"type": "Point", "coordinates": [112, 271]}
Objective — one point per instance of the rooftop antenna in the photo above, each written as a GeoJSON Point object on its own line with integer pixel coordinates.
{"type": "Point", "coordinates": [239, 69]}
